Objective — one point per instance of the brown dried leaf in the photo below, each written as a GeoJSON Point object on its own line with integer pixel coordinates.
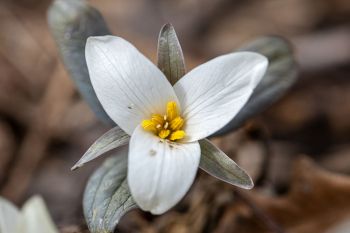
{"type": "Point", "coordinates": [317, 200]}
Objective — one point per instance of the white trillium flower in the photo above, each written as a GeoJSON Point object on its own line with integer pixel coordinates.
{"type": "Point", "coordinates": [32, 218]}
{"type": "Point", "coordinates": [165, 122]}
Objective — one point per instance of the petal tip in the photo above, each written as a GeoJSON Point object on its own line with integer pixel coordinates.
{"type": "Point", "coordinates": [100, 39]}
{"type": "Point", "coordinates": [157, 211]}
{"type": "Point", "coordinates": [261, 59]}
{"type": "Point", "coordinates": [252, 55]}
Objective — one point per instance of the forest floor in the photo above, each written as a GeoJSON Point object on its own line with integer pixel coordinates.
{"type": "Point", "coordinates": [297, 151]}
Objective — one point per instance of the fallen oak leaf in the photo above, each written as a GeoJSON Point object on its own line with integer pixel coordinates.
{"type": "Point", "coordinates": [317, 200]}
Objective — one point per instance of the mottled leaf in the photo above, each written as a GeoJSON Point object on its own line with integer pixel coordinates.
{"type": "Point", "coordinates": [114, 138]}
{"type": "Point", "coordinates": [71, 23]}
{"type": "Point", "coordinates": [107, 197]}
{"type": "Point", "coordinates": [218, 164]}
{"type": "Point", "coordinates": [280, 75]}
{"type": "Point", "coordinates": [170, 58]}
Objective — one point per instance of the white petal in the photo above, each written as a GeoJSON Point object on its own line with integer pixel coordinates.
{"type": "Point", "coordinates": [213, 93]}
{"type": "Point", "coordinates": [9, 216]}
{"type": "Point", "coordinates": [36, 218]}
{"type": "Point", "coordinates": [159, 173]}
{"type": "Point", "coordinates": [129, 87]}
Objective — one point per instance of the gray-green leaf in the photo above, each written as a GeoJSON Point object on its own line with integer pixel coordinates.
{"type": "Point", "coordinates": [170, 57]}
{"type": "Point", "coordinates": [71, 23]}
{"type": "Point", "coordinates": [218, 164]}
{"type": "Point", "coordinates": [280, 75]}
{"type": "Point", "coordinates": [107, 197]}
{"type": "Point", "coordinates": [114, 138]}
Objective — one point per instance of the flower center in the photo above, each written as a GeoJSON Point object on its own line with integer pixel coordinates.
{"type": "Point", "coordinates": [166, 126]}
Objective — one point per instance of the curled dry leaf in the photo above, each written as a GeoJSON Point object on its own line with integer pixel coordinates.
{"type": "Point", "coordinates": [316, 202]}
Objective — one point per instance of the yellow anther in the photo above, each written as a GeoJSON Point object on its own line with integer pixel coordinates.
{"type": "Point", "coordinates": [164, 133]}
{"type": "Point", "coordinates": [149, 126]}
{"type": "Point", "coordinates": [179, 134]}
{"type": "Point", "coordinates": [177, 123]}
{"type": "Point", "coordinates": [171, 111]}
{"type": "Point", "coordinates": [157, 119]}
{"type": "Point", "coordinates": [166, 126]}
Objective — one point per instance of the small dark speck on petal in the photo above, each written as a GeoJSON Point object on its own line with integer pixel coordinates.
{"type": "Point", "coordinates": [131, 106]}
{"type": "Point", "coordinates": [152, 152]}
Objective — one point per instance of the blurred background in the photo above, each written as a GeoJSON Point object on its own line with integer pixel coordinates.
{"type": "Point", "coordinates": [297, 151]}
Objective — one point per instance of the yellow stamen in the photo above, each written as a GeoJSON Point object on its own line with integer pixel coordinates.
{"type": "Point", "coordinates": [179, 134]}
{"type": "Point", "coordinates": [171, 111]}
{"type": "Point", "coordinates": [177, 123]}
{"type": "Point", "coordinates": [149, 126]}
{"type": "Point", "coordinates": [164, 133]}
{"type": "Point", "coordinates": [166, 126]}
{"type": "Point", "coordinates": [157, 119]}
